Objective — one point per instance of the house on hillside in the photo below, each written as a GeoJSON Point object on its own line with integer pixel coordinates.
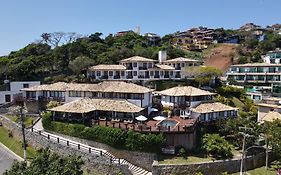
{"type": "Point", "coordinates": [37, 97]}
{"type": "Point", "coordinates": [138, 68]}
{"type": "Point", "coordinates": [11, 91]}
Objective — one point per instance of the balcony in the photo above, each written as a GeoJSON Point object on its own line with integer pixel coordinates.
{"type": "Point", "coordinates": [105, 77]}
{"type": "Point", "coordinates": [43, 98]}
{"type": "Point", "coordinates": [142, 68]}
{"type": "Point", "coordinates": [129, 68]}
{"type": "Point", "coordinates": [116, 77]}
{"type": "Point", "coordinates": [129, 77]}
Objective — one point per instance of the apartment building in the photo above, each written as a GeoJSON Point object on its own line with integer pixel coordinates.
{"type": "Point", "coordinates": [273, 57]}
{"type": "Point", "coordinates": [266, 73]}
{"type": "Point", "coordinates": [138, 68]}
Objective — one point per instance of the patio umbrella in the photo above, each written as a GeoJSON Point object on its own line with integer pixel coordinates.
{"type": "Point", "coordinates": [159, 118]}
{"type": "Point", "coordinates": [154, 109]}
{"type": "Point", "coordinates": [141, 118]}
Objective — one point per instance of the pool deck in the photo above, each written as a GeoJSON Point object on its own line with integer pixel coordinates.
{"type": "Point", "coordinates": [183, 125]}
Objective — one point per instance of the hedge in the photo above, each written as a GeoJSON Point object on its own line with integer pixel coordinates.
{"type": "Point", "coordinates": [114, 137]}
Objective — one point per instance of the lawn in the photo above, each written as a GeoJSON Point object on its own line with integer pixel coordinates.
{"type": "Point", "coordinates": [259, 171]}
{"type": "Point", "coordinates": [192, 158]}
{"type": "Point", "coordinates": [27, 119]}
{"type": "Point", "coordinates": [15, 145]}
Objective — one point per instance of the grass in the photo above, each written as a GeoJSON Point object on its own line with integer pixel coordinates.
{"type": "Point", "coordinates": [27, 119]}
{"type": "Point", "coordinates": [259, 171]}
{"type": "Point", "coordinates": [191, 158]}
{"type": "Point", "coordinates": [15, 145]}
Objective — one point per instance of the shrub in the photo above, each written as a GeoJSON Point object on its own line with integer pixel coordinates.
{"type": "Point", "coordinates": [217, 146]}
{"type": "Point", "coordinates": [182, 152]}
{"type": "Point", "coordinates": [111, 136]}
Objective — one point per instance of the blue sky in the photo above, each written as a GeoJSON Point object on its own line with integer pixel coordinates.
{"type": "Point", "coordinates": [23, 21]}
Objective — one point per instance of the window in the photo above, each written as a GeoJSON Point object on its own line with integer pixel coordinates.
{"type": "Point", "coordinates": [75, 94]}
{"type": "Point", "coordinates": [171, 73]}
{"type": "Point", "coordinates": [136, 96]}
{"type": "Point", "coordinates": [149, 65]}
{"type": "Point", "coordinates": [98, 73]}
{"type": "Point", "coordinates": [151, 73]}
{"type": "Point", "coordinates": [25, 85]}
{"type": "Point", "coordinates": [122, 73]}
{"type": "Point", "coordinates": [135, 65]}
{"type": "Point", "coordinates": [182, 64]}
{"type": "Point", "coordinates": [135, 73]}
{"type": "Point", "coordinates": [110, 73]}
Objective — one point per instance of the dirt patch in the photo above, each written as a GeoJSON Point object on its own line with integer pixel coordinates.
{"type": "Point", "coordinates": [221, 57]}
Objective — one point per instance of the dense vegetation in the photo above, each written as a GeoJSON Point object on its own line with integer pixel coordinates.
{"type": "Point", "coordinates": [111, 136]}
{"type": "Point", "coordinates": [40, 61]}
{"type": "Point", "coordinates": [48, 163]}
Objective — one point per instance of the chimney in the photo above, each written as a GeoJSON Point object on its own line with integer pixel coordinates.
{"type": "Point", "coordinates": [162, 56]}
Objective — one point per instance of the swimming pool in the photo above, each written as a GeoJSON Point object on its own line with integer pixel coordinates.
{"type": "Point", "coordinates": [167, 123]}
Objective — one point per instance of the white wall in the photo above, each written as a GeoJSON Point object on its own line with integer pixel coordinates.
{"type": "Point", "coordinates": [2, 96]}
{"type": "Point", "coordinates": [16, 86]}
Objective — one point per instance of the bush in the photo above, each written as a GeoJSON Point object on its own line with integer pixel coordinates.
{"type": "Point", "coordinates": [182, 152]}
{"type": "Point", "coordinates": [217, 146]}
{"type": "Point", "coordinates": [111, 136]}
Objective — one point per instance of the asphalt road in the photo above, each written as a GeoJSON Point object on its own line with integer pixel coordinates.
{"type": "Point", "coordinates": [6, 159]}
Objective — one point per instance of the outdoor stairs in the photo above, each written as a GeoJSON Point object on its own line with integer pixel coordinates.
{"type": "Point", "coordinates": [134, 169]}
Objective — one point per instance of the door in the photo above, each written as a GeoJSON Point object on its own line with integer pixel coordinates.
{"type": "Point", "coordinates": [7, 98]}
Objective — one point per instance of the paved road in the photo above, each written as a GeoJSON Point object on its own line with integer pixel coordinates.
{"type": "Point", "coordinates": [6, 159]}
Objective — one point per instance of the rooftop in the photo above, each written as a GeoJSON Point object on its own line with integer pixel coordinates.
{"type": "Point", "coordinates": [256, 65]}
{"type": "Point", "coordinates": [89, 105]}
{"type": "Point", "coordinates": [137, 59]}
{"type": "Point", "coordinates": [164, 67]}
{"type": "Point", "coordinates": [212, 107]}
{"type": "Point", "coordinates": [108, 67]}
{"type": "Point", "coordinates": [185, 91]}
{"type": "Point", "coordinates": [180, 59]}
{"type": "Point", "coordinates": [106, 86]}
{"type": "Point", "coordinates": [271, 116]}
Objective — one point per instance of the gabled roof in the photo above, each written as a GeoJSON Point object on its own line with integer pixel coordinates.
{"type": "Point", "coordinates": [88, 105]}
{"type": "Point", "coordinates": [185, 91]}
{"type": "Point", "coordinates": [108, 67]}
{"type": "Point", "coordinates": [122, 87]}
{"type": "Point", "coordinates": [137, 59]}
{"type": "Point", "coordinates": [180, 59]}
{"type": "Point", "coordinates": [212, 107]}
{"type": "Point", "coordinates": [271, 116]}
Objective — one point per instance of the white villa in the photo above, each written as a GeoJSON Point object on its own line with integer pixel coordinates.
{"type": "Point", "coordinates": [12, 90]}
{"type": "Point", "coordinates": [266, 105]}
{"type": "Point", "coordinates": [190, 102]}
{"type": "Point", "coordinates": [139, 68]}
{"type": "Point", "coordinates": [68, 92]}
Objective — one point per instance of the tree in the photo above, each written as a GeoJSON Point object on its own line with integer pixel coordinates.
{"type": "Point", "coordinates": [52, 104]}
{"type": "Point", "coordinates": [204, 74]}
{"type": "Point", "coordinates": [217, 146]}
{"type": "Point", "coordinates": [273, 130]}
{"type": "Point", "coordinates": [80, 63]}
{"type": "Point", "coordinates": [49, 163]}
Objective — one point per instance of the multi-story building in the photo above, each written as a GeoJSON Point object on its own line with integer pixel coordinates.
{"type": "Point", "coordinates": [191, 102]}
{"type": "Point", "coordinates": [139, 68]}
{"type": "Point", "coordinates": [37, 97]}
{"type": "Point", "coordinates": [12, 90]}
{"type": "Point", "coordinates": [273, 57]}
{"type": "Point", "coordinates": [259, 73]}
{"type": "Point", "coordinates": [194, 39]}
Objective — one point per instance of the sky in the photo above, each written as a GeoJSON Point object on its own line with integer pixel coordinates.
{"type": "Point", "coordinates": [23, 21]}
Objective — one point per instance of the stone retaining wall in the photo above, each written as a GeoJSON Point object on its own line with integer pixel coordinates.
{"type": "Point", "coordinates": [94, 163]}
{"type": "Point", "coordinates": [210, 168]}
{"type": "Point", "coordinates": [141, 159]}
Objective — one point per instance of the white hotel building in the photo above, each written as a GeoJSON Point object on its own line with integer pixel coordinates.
{"type": "Point", "coordinates": [140, 68]}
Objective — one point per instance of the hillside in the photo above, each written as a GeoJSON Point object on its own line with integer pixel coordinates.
{"type": "Point", "coordinates": [221, 56]}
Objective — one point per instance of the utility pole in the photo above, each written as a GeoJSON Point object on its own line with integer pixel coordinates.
{"type": "Point", "coordinates": [243, 146]}
{"type": "Point", "coordinates": [23, 134]}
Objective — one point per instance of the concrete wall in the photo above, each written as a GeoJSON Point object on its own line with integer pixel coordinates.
{"type": "Point", "coordinates": [95, 163]}
{"type": "Point", "coordinates": [209, 168]}
{"type": "Point", "coordinates": [141, 159]}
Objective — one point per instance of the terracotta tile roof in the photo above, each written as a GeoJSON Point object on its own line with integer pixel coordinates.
{"type": "Point", "coordinates": [185, 91]}
{"type": "Point", "coordinates": [271, 116]}
{"type": "Point", "coordinates": [87, 105]}
{"type": "Point", "coordinates": [108, 67]}
{"type": "Point", "coordinates": [180, 59]}
{"type": "Point", "coordinates": [106, 86]}
{"type": "Point", "coordinates": [212, 107]}
{"type": "Point", "coordinates": [273, 99]}
{"type": "Point", "coordinates": [138, 59]}
{"type": "Point", "coordinates": [269, 105]}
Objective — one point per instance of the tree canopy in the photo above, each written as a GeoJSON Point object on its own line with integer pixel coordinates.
{"type": "Point", "coordinates": [48, 163]}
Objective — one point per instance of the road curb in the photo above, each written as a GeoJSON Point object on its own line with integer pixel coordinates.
{"type": "Point", "coordinates": [7, 149]}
